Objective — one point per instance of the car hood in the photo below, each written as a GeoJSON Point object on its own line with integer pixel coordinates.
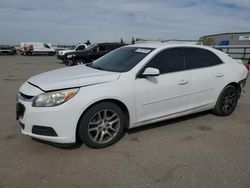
{"type": "Point", "coordinates": [70, 77]}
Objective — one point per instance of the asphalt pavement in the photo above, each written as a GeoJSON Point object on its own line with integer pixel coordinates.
{"type": "Point", "coordinates": [200, 150]}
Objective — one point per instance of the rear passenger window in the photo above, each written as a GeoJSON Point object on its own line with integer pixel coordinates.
{"type": "Point", "coordinates": [170, 60]}
{"type": "Point", "coordinates": [197, 58]}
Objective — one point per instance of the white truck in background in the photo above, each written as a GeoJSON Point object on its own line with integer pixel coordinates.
{"type": "Point", "coordinates": [36, 48]}
{"type": "Point", "coordinates": [61, 53]}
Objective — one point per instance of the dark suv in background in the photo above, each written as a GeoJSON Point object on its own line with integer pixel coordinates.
{"type": "Point", "coordinates": [91, 53]}
{"type": "Point", "coordinates": [61, 53]}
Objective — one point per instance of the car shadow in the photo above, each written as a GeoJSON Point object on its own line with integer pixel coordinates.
{"type": "Point", "coordinates": [167, 122]}
{"type": "Point", "coordinates": [61, 62]}
{"type": "Point", "coordinates": [79, 143]}
{"type": "Point", "coordinates": [72, 146]}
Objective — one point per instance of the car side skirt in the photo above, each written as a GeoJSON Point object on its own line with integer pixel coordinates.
{"type": "Point", "coordinates": [174, 115]}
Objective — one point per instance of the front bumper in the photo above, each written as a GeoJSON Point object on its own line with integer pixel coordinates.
{"type": "Point", "coordinates": [60, 119]}
{"type": "Point", "coordinates": [55, 124]}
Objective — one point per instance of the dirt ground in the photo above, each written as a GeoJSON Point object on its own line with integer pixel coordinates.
{"type": "Point", "coordinates": [200, 150]}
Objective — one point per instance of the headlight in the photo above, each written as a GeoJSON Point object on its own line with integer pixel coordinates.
{"type": "Point", "coordinates": [71, 55]}
{"type": "Point", "coordinates": [54, 98]}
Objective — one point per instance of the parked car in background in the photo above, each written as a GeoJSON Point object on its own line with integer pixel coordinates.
{"type": "Point", "coordinates": [128, 87]}
{"type": "Point", "coordinates": [91, 53]}
{"type": "Point", "coordinates": [61, 53]}
{"type": "Point", "coordinates": [7, 50]}
{"type": "Point", "coordinates": [36, 48]}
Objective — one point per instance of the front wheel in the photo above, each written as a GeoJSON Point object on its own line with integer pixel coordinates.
{"type": "Point", "coordinates": [70, 62]}
{"type": "Point", "coordinates": [227, 101]}
{"type": "Point", "coordinates": [102, 125]}
{"type": "Point", "coordinates": [29, 53]}
{"type": "Point", "coordinates": [80, 62]}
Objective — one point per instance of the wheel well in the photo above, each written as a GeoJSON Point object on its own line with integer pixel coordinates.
{"type": "Point", "coordinates": [237, 86]}
{"type": "Point", "coordinates": [117, 102]}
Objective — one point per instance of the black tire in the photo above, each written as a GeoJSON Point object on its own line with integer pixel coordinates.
{"type": "Point", "coordinates": [51, 53]}
{"type": "Point", "coordinates": [70, 63]}
{"type": "Point", "coordinates": [29, 53]}
{"type": "Point", "coordinates": [96, 131]}
{"type": "Point", "coordinates": [80, 62]}
{"type": "Point", "coordinates": [226, 102]}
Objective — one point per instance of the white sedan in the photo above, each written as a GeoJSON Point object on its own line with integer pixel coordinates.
{"type": "Point", "coordinates": [129, 87]}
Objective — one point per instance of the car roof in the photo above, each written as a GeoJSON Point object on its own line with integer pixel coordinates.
{"type": "Point", "coordinates": [110, 43]}
{"type": "Point", "coordinates": [159, 45]}
{"type": "Point", "coordinates": [168, 45]}
{"type": "Point", "coordinates": [162, 46]}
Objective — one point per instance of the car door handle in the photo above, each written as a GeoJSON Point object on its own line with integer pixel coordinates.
{"type": "Point", "coordinates": [219, 75]}
{"type": "Point", "coordinates": [183, 82]}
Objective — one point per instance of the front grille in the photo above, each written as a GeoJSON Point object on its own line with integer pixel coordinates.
{"type": "Point", "coordinates": [42, 130]}
{"type": "Point", "coordinates": [20, 110]}
{"type": "Point", "coordinates": [25, 97]}
{"type": "Point", "coordinates": [22, 125]}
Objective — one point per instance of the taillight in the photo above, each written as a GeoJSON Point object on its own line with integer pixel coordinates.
{"type": "Point", "coordinates": [247, 66]}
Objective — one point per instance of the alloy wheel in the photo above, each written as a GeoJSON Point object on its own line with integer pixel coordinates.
{"type": "Point", "coordinates": [229, 101]}
{"type": "Point", "coordinates": [104, 126]}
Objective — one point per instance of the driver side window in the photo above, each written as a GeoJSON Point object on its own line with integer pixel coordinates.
{"type": "Point", "coordinates": [81, 47]}
{"type": "Point", "coordinates": [170, 60]}
{"type": "Point", "coordinates": [46, 45]}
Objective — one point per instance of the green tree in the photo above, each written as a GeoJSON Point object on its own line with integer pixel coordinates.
{"type": "Point", "coordinates": [207, 41]}
{"type": "Point", "coordinates": [133, 40]}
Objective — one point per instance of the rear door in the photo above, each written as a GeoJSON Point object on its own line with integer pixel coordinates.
{"type": "Point", "coordinates": [207, 76]}
{"type": "Point", "coordinates": [166, 94]}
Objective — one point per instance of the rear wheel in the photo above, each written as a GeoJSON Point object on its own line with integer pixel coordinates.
{"type": "Point", "coordinates": [227, 101]}
{"type": "Point", "coordinates": [51, 53]}
{"type": "Point", "coordinates": [102, 125]}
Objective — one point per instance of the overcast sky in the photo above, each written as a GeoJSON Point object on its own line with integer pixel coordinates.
{"type": "Point", "coordinates": [75, 21]}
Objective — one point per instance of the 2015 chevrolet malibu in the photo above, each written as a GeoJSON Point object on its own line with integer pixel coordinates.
{"type": "Point", "coordinates": [131, 86]}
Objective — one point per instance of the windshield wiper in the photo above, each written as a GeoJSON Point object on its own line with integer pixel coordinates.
{"type": "Point", "coordinates": [99, 68]}
{"type": "Point", "coordinates": [94, 67]}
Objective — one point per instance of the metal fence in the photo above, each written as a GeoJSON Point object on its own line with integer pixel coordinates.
{"type": "Point", "coordinates": [236, 52]}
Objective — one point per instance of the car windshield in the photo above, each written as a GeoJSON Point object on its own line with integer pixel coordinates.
{"type": "Point", "coordinates": [122, 59]}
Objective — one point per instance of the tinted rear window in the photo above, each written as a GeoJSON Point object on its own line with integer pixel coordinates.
{"type": "Point", "coordinates": [197, 58]}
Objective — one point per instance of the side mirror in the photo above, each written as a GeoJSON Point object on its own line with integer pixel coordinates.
{"type": "Point", "coordinates": [150, 72]}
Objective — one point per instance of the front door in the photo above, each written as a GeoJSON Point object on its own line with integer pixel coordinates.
{"type": "Point", "coordinates": [166, 94]}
